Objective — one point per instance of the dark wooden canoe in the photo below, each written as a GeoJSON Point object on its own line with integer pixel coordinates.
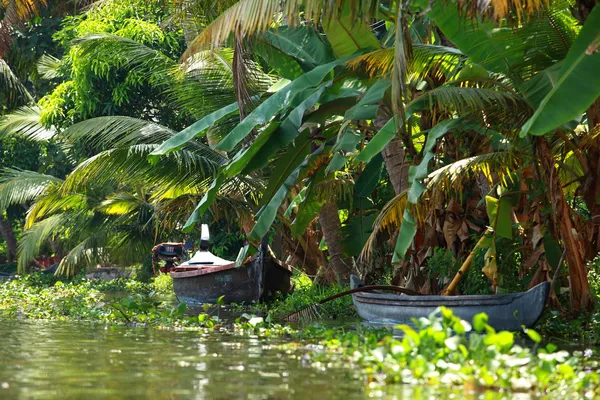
{"type": "Point", "coordinates": [505, 311]}
{"type": "Point", "coordinates": [256, 280]}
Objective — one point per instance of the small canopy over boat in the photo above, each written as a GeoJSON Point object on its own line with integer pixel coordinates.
{"type": "Point", "coordinates": [205, 257]}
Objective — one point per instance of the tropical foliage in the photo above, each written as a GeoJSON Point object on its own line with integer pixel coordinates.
{"type": "Point", "coordinates": [361, 137]}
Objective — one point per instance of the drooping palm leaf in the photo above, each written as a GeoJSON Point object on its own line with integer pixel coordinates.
{"type": "Point", "coordinates": [21, 187]}
{"type": "Point", "coordinates": [11, 88]}
{"type": "Point", "coordinates": [26, 121]}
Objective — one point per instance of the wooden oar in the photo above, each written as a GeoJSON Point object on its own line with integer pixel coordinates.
{"type": "Point", "coordinates": [311, 312]}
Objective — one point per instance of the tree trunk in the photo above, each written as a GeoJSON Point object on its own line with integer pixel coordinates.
{"type": "Point", "coordinates": [340, 265]}
{"type": "Point", "coordinates": [396, 164]}
{"type": "Point", "coordinates": [9, 237]}
{"type": "Point", "coordinates": [581, 298]}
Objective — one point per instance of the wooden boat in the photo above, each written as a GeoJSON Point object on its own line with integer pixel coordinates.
{"type": "Point", "coordinates": [206, 277]}
{"type": "Point", "coordinates": [505, 311]}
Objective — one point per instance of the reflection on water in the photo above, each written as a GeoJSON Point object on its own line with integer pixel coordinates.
{"type": "Point", "coordinates": [41, 360]}
{"type": "Point", "coordinates": [77, 360]}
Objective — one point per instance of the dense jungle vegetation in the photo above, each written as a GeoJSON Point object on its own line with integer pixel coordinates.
{"type": "Point", "coordinates": [398, 141]}
{"type": "Point", "coordinates": [388, 139]}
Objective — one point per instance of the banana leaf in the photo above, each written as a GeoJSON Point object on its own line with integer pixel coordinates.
{"type": "Point", "coordinates": [204, 203]}
{"type": "Point", "coordinates": [378, 142]}
{"type": "Point", "coordinates": [578, 85]}
{"type": "Point", "coordinates": [367, 106]}
{"type": "Point", "coordinates": [288, 130]}
{"type": "Point", "coordinates": [268, 213]}
{"type": "Point", "coordinates": [302, 43]}
{"type": "Point", "coordinates": [197, 128]}
{"type": "Point", "coordinates": [347, 35]}
{"type": "Point", "coordinates": [309, 207]}
{"type": "Point", "coordinates": [277, 102]}
{"type": "Point", "coordinates": [296, 153]}
{"type": "Point", "coordinates": [500, 215]}
{"type": "Point", "coordinates": [356, 230]}
{"type": "Point", "coordinates": [369, 178]}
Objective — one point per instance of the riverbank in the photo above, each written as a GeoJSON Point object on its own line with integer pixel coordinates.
{"type": "Point", "coordinates": [441, 351]}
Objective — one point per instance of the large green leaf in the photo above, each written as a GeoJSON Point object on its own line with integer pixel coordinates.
{"type": "Point", "coordinates": [296, 153]}
{"type": "Point", "coordinates": [347, 35]}
{"type": "Point", "coordinates": [302, 43]}
{"type": "Point", "coordinates": [204, 203]}
{"type": "Point", "coordinates": [552, 251]}
{"type": "Point", "coordinates": [408, 227]}
{"type": "Point", "coordinates": [500, 215]}
{"type": "Point", "coordinates": [192, 131]}
{"type": "Point", "coordinates": [346, 144]}
{"type": "Point", "coordinates": [239, 162]}
{"type": "Point", "coordinates": [378, 142]}
{"type": "Point", "coordinates": [491, 47]}
{"type": "Point", "coordinates": [277, 102]}
{"type": "Point", "coordinates": [309, 207]}
{"type": "Point", "coordinates": [419, 172]}
{"type": "Point", "coordinates": [356, 230]}
{"type": "Point", "coordinates": [408, 230]}
{"type": "Point", "coordinates": [519, 52]}
{"type": "Point", "coordinates": [369, 178]}
{"type": "Point", "coordinates": [367, 107]}
{"type": "Point", "coordinates": [285, 66]}
{"type": "Point", "coordinates": [268, 213]}
{"type": "Point", "coordinates": [578, 85]}
{"type": "Point", "coordinates": [536, 89]}
{"type": "Point", "coordinates": [288, 130]}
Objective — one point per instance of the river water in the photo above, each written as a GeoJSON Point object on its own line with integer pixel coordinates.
{"type": "Point", "coordinates": [81, 360]}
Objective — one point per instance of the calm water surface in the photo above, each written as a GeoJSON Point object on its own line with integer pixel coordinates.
{"type": "Point", "coordinates": [79, 360]}
{"type": "Point", "coordinates": [71, 360]}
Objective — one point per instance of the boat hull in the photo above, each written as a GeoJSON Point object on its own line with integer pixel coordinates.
{"type": "Point", "coordinates": [505, 312]}
{"type": "Point", "coordinates": [253, 281]}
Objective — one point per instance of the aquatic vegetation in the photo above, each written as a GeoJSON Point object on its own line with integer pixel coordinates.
{"type": "Point", "coordinates": [443, 350]}
{"type": "Point", "coordinates": [40, 297]}
{"type": "Point", "coordinates": [162, 283]}
{"type": "Point", "coordinates": [145, 309]}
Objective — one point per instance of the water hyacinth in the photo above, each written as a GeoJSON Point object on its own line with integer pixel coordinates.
{"type": "Point", "coordinates": [444, 350]}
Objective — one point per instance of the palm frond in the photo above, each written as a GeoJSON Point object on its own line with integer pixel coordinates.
{"type": "Point", "coordinates": [20, 187]}
{"type": "Point", "coordinates": [499, 166]}
{"type": "Point", "coordinates": [491, 106]}
{"type": "Point", "coordinates": [34, 238]}
{"type": "Point", "coordinates": [12, 90]}
{"type": "Point", "coordinates": [247, 17]}
{"type": "Point", "coordinates": [184, 168]}
{"type": "Point", "coordinates": [116, 132]}
{"type": "Point", "coordinates": [206, 81]}
{"type": "Point", "coordinates": [53, 203]}
{"type": "Point", "coordinates": [389, 218]}
{"type": "Point", "coordinates": [26, 121]}
{"type": "Point", "coordinates": [48, 67]}
{"type": "Point", "coordinates": [120, 204]}
{"type": "Point", "coordinates": [85, 253]}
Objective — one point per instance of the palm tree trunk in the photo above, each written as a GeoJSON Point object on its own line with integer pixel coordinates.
{"type": "Point", "coordinates": [340, 265]}
{"type": "Point", "coordinates": [9, 237]}
{"type": "Point", "coordinates": [396, 164]}
{"type": "Point", "coordinates": [581, 298]}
